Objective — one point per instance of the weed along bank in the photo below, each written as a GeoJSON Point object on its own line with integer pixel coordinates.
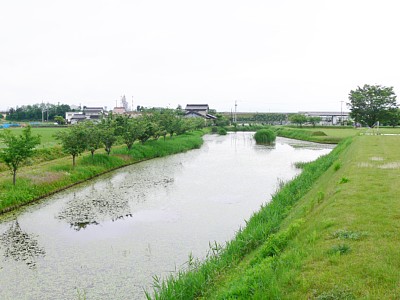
{"type": "Point", "coordinates": [110, 237]}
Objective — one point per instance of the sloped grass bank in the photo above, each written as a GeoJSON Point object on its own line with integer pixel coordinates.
{"type": "Point", "coordinates": [201, 279]}
{"type": "Point", "coordinates": [348, 247]}
{"type": "Point", "coordinates": [41, 180]}
{"type": "Point", "coordinates": [316, 135]}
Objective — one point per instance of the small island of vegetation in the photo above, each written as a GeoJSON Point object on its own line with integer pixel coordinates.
{"type": "Point", "coordinates": [265, 136]}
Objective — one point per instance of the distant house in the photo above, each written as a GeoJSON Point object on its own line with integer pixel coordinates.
{"type": "Point", "coordinates": [77, 118]}
{"type": "Point", "coordinates": [198, 111]}
{"type": "Point", "coordinates": [328, 118]}
{"type": "Point", "coordinates": [88, 113]}
{"type": "Point", "coordinates": [93, 113]}
{"type": "Point", "coordinates": [70, 114]}
{"type": "Point", "coordinates": [119, 110]}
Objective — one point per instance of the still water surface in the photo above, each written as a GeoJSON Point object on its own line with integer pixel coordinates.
{"type": "Point", "coordinates": [105, 239]}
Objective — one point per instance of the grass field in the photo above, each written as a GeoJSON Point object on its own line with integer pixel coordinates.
{"type": "Point", "coordinates": [330, 134]}
{"type": "Point", "coordinates": [46, 135]}
{"type": "Point", "coordinates": [339, 241]}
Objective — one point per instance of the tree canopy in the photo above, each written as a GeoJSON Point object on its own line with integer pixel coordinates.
{"type": "Point", "coordinates": [17, 148]}
{"type": "Point", "coordinates": [298, 119]}
{"type": "Point", "coordinates": [372, 103]}
{"type": "Point", "coordinates": [73, 141]}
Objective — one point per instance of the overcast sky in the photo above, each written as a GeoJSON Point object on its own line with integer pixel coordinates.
{"type": "Point", "coordinates": [278, 56]}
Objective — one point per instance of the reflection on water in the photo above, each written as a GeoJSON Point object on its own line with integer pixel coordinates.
{"type": "Point", "coordinates": [107, 238]}
{"type": "Point", "coordinates": [93, 209]}
{"type": "Point", "coordinates": [21, 246]}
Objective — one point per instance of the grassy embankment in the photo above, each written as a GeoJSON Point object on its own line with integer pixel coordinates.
{"type": "Point", "coordinates": [322, 237]}
{"type": "Point", "coordinates": [42, 179]}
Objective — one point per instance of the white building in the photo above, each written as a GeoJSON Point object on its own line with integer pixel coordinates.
{"type": "Point", "coordinates": [328, 118]}
{"type": "Point", "coordinates": [88, 113]}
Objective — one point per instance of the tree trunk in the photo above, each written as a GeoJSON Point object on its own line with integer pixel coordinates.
{"type": "Point", "coordinates": [73, 160]}
{"type": "Point", "coordinates": [14, 176]}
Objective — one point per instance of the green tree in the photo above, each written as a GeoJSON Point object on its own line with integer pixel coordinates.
{"type": "Point", "coordinates": [131, 132]}
{"type": "Point", "coordinates": [73, 140]}
{"type": "Point", "coordinates": [17, 148]}
{"type": "Point", "coordinates": [93, 136]}
{"type": "Point", "coordinates": [60, 120]}
{"type": "Point", "coordinates": [147, 131]}
{"type": "Point", "coordinates": [394, 118]}
{"type": "Point", "coordinates": [107, 134]}
{"type": "Point", "coordinates": [372, 103]}
{"type": "Point", "coordinates": [221, 120]}
{"type": "Point", "coordinates": [314, 120]}
{"type": "Point", "coordinates": [298, 119]}
{"type": "Point", "coordinates": [168, 122]}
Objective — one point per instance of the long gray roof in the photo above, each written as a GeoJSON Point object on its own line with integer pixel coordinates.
{"type": "Point", "coordinates": [196, 106]}
{"type": "Point", "coordinates": [324, 113]}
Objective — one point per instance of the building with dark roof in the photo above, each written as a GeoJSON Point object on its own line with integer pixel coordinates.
{"type": "Point", "coordinates": [88, 113]}
{"type": "Point", "coordinates": [198, 111]}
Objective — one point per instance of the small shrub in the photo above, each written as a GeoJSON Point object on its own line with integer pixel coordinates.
{"type": "Point", "coordinates": [320, 196]}
{"type": "Point", "coordinates": [300, 164]}
{"type": "Point", "coordinates": [318, 133]}
{"type": "Point", "coordinates": [265, 136]}
{"type": "Point", "coordinates": [222, 131]}
{"type": "Point", "coordinates": [336, 293]}
{"type": "Point", "coordinates": [344, 180]}
{"type": "Point", "coordinates": [339, 249]}
{"type": "Point", "coordinates": [337, 166]}
{"type": "Point", "coordinates": [214, 129]}
{"type": "Point", "coordinates": [344, 234]}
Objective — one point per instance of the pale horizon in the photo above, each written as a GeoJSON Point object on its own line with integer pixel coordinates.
{"type": "Point", "coordinates": [285, 56]}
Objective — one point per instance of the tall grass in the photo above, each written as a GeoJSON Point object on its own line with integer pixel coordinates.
{"type": "Point", "coordinates": [265, 136]}
{"type": "Point", "coordinates": [262, 226]}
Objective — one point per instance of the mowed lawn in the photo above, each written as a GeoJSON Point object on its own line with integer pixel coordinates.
{"type": "Point", "coordinates": [347, 246]}
{"type": "Point", "coordinates": [351, 131]}
{"type": "Point", "coordinates": [46, 135]}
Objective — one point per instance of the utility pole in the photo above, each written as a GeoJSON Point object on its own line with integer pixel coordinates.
{"type": "Point", "coordinates": [235, 118]}
{"type": "Point", "coordinates": [341, 112]}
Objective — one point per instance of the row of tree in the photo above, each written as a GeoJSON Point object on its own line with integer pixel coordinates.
{"type": "Point", "coordinates": [268, 118]}
{"type": "Point", "coordinates": [89, 136]}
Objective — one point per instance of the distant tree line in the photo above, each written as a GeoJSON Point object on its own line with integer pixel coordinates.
{"type": "Point", "coordinates": [35, 112]}
{"type": "Point", "coordinates": [267, 118]}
